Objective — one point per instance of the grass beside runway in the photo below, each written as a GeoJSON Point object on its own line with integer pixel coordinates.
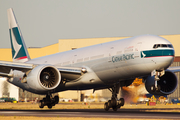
{"type": "Point", "coordinates": [30, 106]}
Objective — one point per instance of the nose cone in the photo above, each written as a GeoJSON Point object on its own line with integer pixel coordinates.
{"type": "Point", "coordinates": [168, 57]}
{"type": "Point", "coordinates": [170, 53]}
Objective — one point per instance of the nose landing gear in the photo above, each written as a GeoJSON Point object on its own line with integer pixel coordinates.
{"type": "Point", "coordinates": [157, 75]}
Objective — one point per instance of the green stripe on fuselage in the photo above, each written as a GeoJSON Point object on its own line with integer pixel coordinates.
{"type": "Point", "coordinates": [157, 53]}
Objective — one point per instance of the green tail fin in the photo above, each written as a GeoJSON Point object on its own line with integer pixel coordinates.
{"type": "Point", "coordinates": [19, 50]}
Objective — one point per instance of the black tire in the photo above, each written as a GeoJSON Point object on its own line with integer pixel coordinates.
{"type": "Point", "coordinates": [49, 106]}
{"type": "Point", "coordinates": [115, 108]}
{"type": "Point", "coordinates": [113, 102]}
{"type": "Point", "coordinates": [56, 99]}
{"type": "Point", "coordinates": [109, 103]}
{"type": "Point", "coordinates": [122, 101]}
{"type": "Point", "coordinates": [106, 107]}
{"type": "Point", "coordinates": [41, 104]}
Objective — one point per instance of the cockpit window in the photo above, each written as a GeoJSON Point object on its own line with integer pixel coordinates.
{"type": "Point", "coordinates": [162, 46]}
{"type": "Point", "coordinates": [154, 46]}
{"type": "Point", "coordinates": [170, 46]}
{"type": "Point", "coordinates": [158, 45]}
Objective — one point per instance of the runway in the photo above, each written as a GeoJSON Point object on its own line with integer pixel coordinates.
{"type": "Point", "coordinates": [95, 113]}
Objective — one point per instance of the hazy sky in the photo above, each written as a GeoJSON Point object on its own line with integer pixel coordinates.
{"type": "Point", "coordinates": [43, 22]}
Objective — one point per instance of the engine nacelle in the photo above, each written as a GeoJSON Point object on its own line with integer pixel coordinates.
{"type": "Point", "coordinates": [168, 83]}
{"type": "Point", "coordinates": [43, 78]}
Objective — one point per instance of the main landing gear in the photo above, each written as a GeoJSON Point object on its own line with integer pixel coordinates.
{"type": "Point", "coordinates": [114, 103]}
{"type": "Point", "coordinates": [49, 101]}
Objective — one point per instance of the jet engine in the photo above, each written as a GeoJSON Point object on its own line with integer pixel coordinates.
{"type": "Point", "coordinates": [167, 83]}
{"type": "Point", "coordinates": [43, 78]}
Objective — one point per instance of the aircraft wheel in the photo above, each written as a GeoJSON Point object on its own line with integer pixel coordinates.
{"type": "Point", "coordinates": [41, 104]}
{"type": "Point", "coordinates": [122, 101]}
{"type": "Point", "coordinates": [109, 104]}
{"type": "Point", "coordinates": [115, 108]}
{"type": "Point", "coordinates": [106, 107]}
{"type": "Point", "coordinates": [49, 106]}
{"type": "Point", "coordinates": [113, 102]}
{"type": "Point", "coordinates": [56, 99]}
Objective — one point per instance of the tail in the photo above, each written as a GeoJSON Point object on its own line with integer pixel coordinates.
{"type": "Point", "coordinates": [19, 50]}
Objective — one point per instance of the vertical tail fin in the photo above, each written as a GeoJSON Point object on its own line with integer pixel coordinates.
{"type": "Point", "coordinates": [19, 50]}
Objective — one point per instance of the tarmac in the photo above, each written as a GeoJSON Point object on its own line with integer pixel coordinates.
{"type": "Point", "coordinates": [95, 113]}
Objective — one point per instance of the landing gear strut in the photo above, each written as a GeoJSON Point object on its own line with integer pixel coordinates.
{"type": "Point", "coordinates": [114, 103]}
{"type": "Point", "coordinates": [156, 87]}
{"type": "Point", "coordinates": [49, 101]}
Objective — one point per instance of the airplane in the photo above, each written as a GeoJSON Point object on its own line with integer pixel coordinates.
{"type": "Point", "coordinates": [110, 65]}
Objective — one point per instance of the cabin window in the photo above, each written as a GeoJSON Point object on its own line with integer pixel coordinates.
{"type": "Point", "coordinates": [119, 52]}
{"type": "Point", "coordinates": [79, 60]}
{"type": "Point", "coordinates": [86, 59]}
{"type": "Point", "coordinates": [66, 63]}
{"type": "Point", "coordinates": [97, 57]}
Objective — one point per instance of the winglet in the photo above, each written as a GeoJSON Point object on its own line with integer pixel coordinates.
{"type": "Point", "coordinates": [19, 50]}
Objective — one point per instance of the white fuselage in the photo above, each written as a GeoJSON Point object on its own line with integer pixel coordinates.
{"type": "Point", "coordinates": [111, 62]}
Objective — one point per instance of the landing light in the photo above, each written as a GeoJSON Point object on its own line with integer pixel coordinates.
{"type": "Point", "coordinates": [84, 70]}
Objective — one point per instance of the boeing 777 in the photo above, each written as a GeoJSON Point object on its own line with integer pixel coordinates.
{"type": "Point", "coordinates": [109, 65]}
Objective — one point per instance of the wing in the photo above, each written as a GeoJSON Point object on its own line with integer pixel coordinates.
{"type": "Point", "coordinates": [6, 67]}
{"type": "Point", "coordinates": [174, 69]}
{"type": "Point", "coordinates": [68, 73]}
{"type": "Point", "coordinates": [71, 73]}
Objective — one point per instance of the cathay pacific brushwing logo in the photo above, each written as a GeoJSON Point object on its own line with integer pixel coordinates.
{"type": "Point", "coordinates": [143, 55]}
{"type": "Point", "coordinates": [18, 51]}
{"type": "Point", "coordinates": [15, 45]}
